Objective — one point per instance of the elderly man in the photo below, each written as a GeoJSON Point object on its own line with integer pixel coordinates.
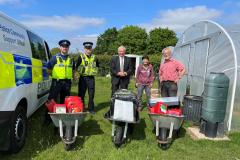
{"type": "Point", "coordinates": [170, 72]}
{"type": "Point", "coordinates": [121, 69]}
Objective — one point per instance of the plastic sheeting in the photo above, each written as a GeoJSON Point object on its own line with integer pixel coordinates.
{"type": "Point", "coordinates": [208, 47]}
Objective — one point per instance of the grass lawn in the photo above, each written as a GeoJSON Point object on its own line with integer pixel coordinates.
{"type": "Point", "coordinates": [94, 140]}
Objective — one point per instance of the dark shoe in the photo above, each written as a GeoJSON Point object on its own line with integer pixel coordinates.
{"type": "Point", "coordinates": [46, 122]}
{"type": "Point", "coordinates": [56, 131]}
{"type": "Point", "coordinates": [92, 112]}
{"type": "Point", "coordinates": [107, 115]}
{"type": "Point", "coordinates": [140, 109]}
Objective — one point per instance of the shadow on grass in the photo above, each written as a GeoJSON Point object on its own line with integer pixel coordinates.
{"type": "Point", "coordinates": [138, 132]}
{"type": "Point", "coordinates": [102, 105]}
{"type": "Point", "coordinates": [39, 138]}
{"type": "Point", "coordinates": [90, 127]}
{"type": "Point", "coordinates": [86, 130]}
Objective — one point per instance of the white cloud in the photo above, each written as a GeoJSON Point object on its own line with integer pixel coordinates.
{"type": "Point", "coordinates": [3, 2]}
{"type": "Point", "coordinates": [181, 18]}
{"type": "Point", "coordinates": [63, 23]}
{"type": "Point", "coordinates": [77, 42]}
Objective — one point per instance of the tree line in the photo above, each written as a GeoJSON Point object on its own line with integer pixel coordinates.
{"type": "Point", "coordinates": [135, 39]}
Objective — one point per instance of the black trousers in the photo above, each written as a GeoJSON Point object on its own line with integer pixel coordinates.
{"type": "Point", "coordinates": [168, 89]}
{"type": "Point", "coordinates": [62, 87]}
{"type": "Point", "coordinates": [87, 83]}
{"type": "Point", "coordinates": [122, 84]}
{"type": "Point", "coordinates": [58, 87]}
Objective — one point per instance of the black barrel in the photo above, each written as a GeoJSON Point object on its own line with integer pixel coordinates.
{"type": "Point", "coordinates": [211, 129]}
{"type": "Point", "coordinates": [192, 108]}
{"type": "Point", "coordinates": [215, 97]}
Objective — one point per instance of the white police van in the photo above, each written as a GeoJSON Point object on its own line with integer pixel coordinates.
{"type": "Point", "coordinates": [24, 82]}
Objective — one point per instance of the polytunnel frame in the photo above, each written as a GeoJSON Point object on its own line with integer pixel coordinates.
{"type": "Point", "coordinates": [229, 122]}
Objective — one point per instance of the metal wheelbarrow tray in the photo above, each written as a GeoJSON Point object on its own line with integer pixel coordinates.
{"type": "Point", "coordinates": [166, 121]}
{"type": "Point", "coordinates": [68, 121]}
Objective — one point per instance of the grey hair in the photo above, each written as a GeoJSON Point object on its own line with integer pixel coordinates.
{"type": "Point", "coordinates": [170, 48]}
{"type": "Point", "coordinates": [122, 48]}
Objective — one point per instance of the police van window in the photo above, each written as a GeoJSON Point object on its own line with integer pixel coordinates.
{"type": "Point", "coordinates": [47, 49]}
{"type": "Point", "coordinates": [37, 46]}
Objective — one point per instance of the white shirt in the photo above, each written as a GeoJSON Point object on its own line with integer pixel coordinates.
{"type": "Point", "coordinates": [121, 60]}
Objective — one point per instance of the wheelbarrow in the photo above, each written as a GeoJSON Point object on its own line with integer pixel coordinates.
{"type": "Point", "coordinates": [70, 123]}
{"type": "Point", "coordinates": [123, 114]}
{"type": "Point", "coordinates": [120, 130]}
{"type": "Point", "coordinates": [166, 124]}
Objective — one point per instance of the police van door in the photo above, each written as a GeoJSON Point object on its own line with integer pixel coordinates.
{"type": "Point", "coordinates": [40, 77]}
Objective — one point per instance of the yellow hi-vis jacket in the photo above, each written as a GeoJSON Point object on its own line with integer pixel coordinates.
{"type": "Point", "coordinates": [88, 65]}
{"type": "Point", "coordinates": [62, 69]}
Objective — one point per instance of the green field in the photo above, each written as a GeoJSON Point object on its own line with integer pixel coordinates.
{"type": "Point", "coordinates": [94, 140]}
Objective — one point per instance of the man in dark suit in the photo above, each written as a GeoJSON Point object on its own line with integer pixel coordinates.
{"type": "Point", "coordinates": [121, 70]}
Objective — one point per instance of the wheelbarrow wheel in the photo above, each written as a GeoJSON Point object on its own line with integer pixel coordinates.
{"type": "Point", "coordinates": [163, 146]}
{"type": "Point", "coordinates": [118, 140]}
{"type": "Point", "coordinates": [68, 147]}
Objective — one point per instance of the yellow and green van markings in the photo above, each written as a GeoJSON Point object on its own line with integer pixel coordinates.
{"type": "Point", "coordinates": [17, 70]}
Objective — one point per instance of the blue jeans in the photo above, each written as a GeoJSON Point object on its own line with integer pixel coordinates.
{"type": "Point", "coordinates": [140, 89]}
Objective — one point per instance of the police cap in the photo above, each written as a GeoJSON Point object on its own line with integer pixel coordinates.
{"type": "Point", "coordinates": [64, 42]}
{"type": "Point", "coordinates": [88, 45]}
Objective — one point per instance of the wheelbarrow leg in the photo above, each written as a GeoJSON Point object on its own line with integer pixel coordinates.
{"type": "Point", "coordinates": [125, 130]}
{"type": "Point", "coordinates": [60, 128]}
{"type": "Point", "coordinates": [157, 128]}
{"type": "Point", "coordinates": [113, 128]}
{"type": "Point", "coordinates": [171, 130]}
{"type": "Point", "coordinates": [76, 128]}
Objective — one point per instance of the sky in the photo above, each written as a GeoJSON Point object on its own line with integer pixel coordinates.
{"type": "Point", "coordinates": [79, 21]}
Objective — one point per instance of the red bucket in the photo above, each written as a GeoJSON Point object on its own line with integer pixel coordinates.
{"type": "Point", "coordinates": [74, 104]}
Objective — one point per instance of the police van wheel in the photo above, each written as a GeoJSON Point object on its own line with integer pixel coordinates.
{"type": "Point", "coordinates": [18, 129]}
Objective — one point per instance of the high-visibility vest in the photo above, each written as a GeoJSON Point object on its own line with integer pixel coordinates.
{"type": "Point", "coordinates": [88, 66]}
{"type": "Point", "coordinates": [62, 69]}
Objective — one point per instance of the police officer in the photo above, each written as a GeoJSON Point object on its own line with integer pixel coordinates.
{"type": "Point", "coordinates": [61, 68]}
{"type": "Point", "coordinates": [87, 66]}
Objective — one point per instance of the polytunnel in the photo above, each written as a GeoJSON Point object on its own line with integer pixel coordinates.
{"type": "Point", "coordinates": [207, 47]}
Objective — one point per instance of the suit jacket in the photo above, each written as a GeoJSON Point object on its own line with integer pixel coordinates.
{"type": "Point", "coordinates": [115, 68]}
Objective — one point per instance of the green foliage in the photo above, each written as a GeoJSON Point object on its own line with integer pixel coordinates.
{"type": "Point", "coordinates": [155, 60]}
{"type": "Point", "coordinates": [133, 38]}
{"type": "Point", "coordinates": [106, 42]}
{"type": "Point", "coordinates": [55, 50]}
{"type": "Point", "coordinates": [74, 56]}
{"type": "Point", "coordinates": [160, 38]}
{"type": "Point", "coordinates": [104, 61]}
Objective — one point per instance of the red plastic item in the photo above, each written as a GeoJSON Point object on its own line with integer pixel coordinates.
{"type": "Point", "coordinates": [74, 104]}
{"type": "Point", "coordinates": [50, 105]}
{"type": "Point", "coordinates": [175, 111]}
{"type": "Point", "coordinates": [159, 108]}
{"type": "Point", "coordinates": [62, 106]}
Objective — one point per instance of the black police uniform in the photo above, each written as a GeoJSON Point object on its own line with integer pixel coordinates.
{"type": "Point", "coordinates": [87, 82]}
{"type": "Point", "coordinates": [60, 87]}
